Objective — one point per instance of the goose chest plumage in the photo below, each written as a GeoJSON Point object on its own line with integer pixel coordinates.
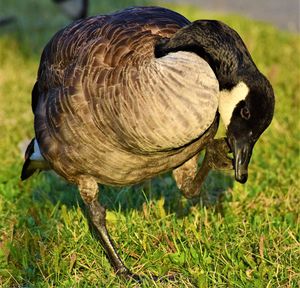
{"type": "Point", "coordinates": [123, 97]}
{"type": "Point", "coordinates": [106, 107]}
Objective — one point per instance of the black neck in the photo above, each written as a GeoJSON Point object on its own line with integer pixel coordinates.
{"type": "Point", "coordinates": [216, 43]}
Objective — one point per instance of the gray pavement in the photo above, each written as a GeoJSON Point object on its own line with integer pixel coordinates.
{"type": "Point", "coordinates": [282, 13]}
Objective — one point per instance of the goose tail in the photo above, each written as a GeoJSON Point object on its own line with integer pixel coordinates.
{"type": "Point", "coordinates": [34, 160]}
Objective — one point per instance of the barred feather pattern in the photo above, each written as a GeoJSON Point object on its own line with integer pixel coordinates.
{"type": "Point", "coordinates": [106, 107]}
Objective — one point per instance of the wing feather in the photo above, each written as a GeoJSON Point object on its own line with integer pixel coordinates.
{"type": "Point", "coordinates": [92, 94]}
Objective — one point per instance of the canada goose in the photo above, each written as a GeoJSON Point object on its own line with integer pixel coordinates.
{"type": "Point", "coordinates": [75, 9]}
{"type": "Point", "coordinates": [121, 98]}
{"type": "Point", "coordinates": [7, 20]}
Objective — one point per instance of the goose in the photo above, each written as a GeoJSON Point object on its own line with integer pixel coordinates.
{"type": "Point", "coordinates": [7, 20]}
{"type": "Point", "coordinates": [121, 98]}
{"type": "Point", "coordinates": [75, 9]}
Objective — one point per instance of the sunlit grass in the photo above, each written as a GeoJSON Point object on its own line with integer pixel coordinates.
{"type": "Point", "coordinates": [248, 237]}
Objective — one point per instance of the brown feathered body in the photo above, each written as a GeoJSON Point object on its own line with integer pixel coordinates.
{"type": "Point", "coordinates": [105, 107]}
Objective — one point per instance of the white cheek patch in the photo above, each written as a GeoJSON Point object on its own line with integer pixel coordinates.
{"type": "Point", "coordinates": [228, 100]}
{"type": "Point", "coordinates": [36, 155]}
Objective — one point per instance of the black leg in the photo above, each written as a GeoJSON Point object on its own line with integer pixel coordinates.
{"type": "Point", "coordinates": [88, 189]}
{"type": "Point", "coordinates": [97, 215]}
{"type": "Point", "coordinates": [97, 220]}
{"type": "Point", "coordinates": [189, 181]}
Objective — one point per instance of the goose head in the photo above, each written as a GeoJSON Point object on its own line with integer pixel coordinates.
{"type": "Point", "coordinates": [246, 111]}
{"type": "Point", "coordinates": [246, 102]}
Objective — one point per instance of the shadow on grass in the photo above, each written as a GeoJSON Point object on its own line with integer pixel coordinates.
{"type": "Point", "coordinates": [56, 190]}
{"type": "Point", "coordinates": [48, 188]}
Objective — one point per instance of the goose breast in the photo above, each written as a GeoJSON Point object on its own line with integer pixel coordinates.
{"type": "Point", "coordinates": [105, 106]}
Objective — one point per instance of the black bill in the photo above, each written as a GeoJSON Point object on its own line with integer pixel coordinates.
{"type": "Point", "coordinates": [242, 152]}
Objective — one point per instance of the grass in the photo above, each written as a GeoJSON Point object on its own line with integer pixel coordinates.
{"type": "Point", "coordinates": [248, 236]}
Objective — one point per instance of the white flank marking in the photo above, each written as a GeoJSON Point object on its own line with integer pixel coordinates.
{"type": "Point", "coordinates": [36, 155]}
{"type": "Point", "coordinates": [228, 100]}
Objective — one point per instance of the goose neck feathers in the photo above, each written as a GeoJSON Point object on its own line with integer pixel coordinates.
{"type": "Point", "coordinates": [215, 42]}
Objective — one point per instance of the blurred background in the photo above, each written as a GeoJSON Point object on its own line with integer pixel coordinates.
{"type": "Point", "coordinates": [283, 14]}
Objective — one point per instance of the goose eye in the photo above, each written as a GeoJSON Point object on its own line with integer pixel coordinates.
{"type": "Point", "coordinates": [245, 113]}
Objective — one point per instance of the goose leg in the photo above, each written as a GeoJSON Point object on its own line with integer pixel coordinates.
{"type": "Point", "coordinates": [88, 188]}
{"type": "Point", "coordinates": [189, 181]}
